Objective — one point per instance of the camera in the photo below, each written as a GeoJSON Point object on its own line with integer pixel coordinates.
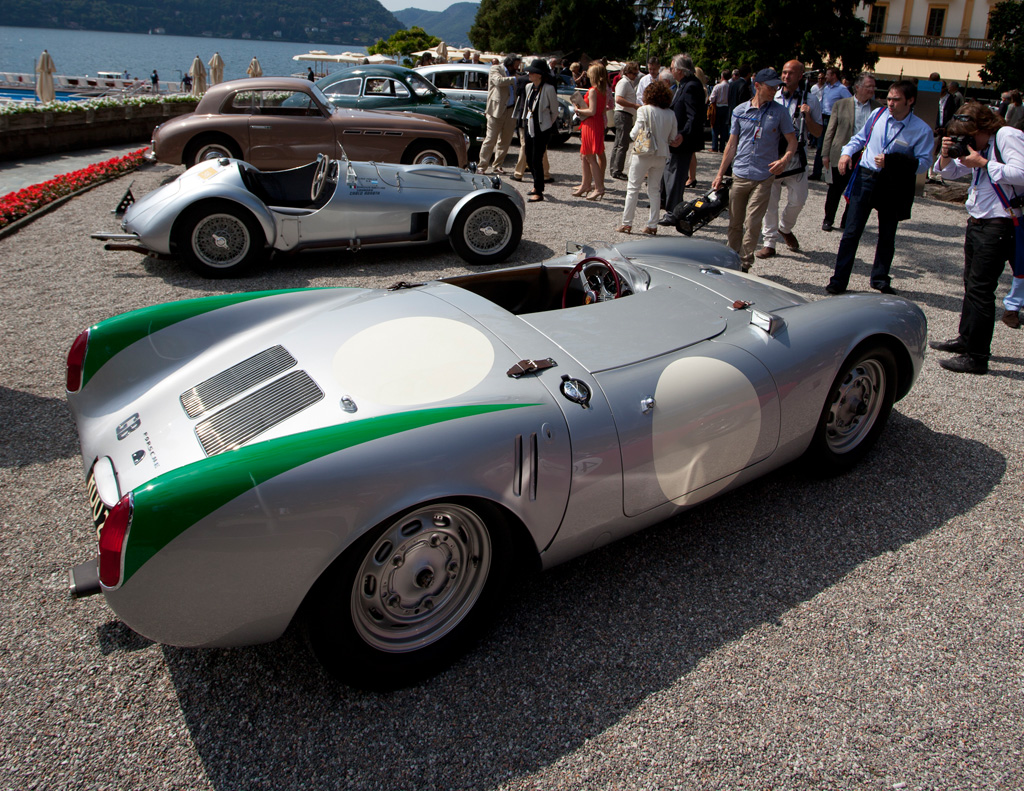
{"type": "Point", "coordinates": [958, 146]}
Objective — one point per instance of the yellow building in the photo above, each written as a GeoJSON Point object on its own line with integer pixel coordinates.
{"type": "Point", "coordinates": [917, 37]}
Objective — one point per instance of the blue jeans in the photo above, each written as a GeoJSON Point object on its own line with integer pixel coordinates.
{"type": "Point", "coordinates": [857, 214]}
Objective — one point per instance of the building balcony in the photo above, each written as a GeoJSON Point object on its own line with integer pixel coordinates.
{"type": "Point", "coordinates": [973, 50]}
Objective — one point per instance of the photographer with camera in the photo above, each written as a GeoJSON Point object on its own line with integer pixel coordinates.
{"type": "Point", "coordinates": [980, 143]}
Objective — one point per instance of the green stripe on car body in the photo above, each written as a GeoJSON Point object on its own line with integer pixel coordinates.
{"type": "Point", "coordinates": [171, 503]}
{"type": "Point", "coordinates": [112, 336]}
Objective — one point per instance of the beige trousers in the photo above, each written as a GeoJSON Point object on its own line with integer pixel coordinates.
{"type": "Point", "coordinates": [497, 139]}
{"type": "Point", "coordinates": [748, 202]}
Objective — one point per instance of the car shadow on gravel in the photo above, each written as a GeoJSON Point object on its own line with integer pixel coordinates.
{"type": "Point", "coordinates": [302, 270]}
{"type": "Point", "coordinates": [581, 646]}
{"type": "Point", "coordinates": [36, 430]}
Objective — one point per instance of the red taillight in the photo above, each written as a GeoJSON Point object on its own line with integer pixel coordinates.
{"type": "Point", "coordinates": [76, 362]}
{"type": "Point", "coordinates": [113, 537]}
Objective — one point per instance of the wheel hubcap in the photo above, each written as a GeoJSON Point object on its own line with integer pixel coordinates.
{"type": "Point", "coordinates": [856, 405]}
{"type": "Point", "coordinates": [220, 240]}
{"type": "Point", "coordinates": [430, 158]}
{"type": "Point", "coordinates": [421, 578]}
{"type": "Point", "coordinates": [488, 229]}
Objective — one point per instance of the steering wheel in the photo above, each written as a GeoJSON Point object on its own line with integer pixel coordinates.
{"type": "Point", "coordinates": [594, 289]}
{"type": "Point", "coordinates": [319, 176]}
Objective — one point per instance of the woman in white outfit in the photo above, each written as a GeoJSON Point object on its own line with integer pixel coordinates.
{"type": "Point", "coordinates": [663, 133]}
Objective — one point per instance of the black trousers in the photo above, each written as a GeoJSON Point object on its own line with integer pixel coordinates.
{"type": "Point", "coordinates": [834, 195]}
{"type": "Point", "coordinates": [988, 246]}
{"type": "Point", "coordinates": [861, 200]}
{"type": "Point", "coordinates": [535, 148]}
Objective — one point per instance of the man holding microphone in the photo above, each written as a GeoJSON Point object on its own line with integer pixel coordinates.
{"type": "Point", "coordinates": [980, 143]}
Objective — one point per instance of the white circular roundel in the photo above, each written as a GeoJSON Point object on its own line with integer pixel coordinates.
{"type": "Point", "coordinates": [413, 361]}
{"type": "Point", "coordinates": [707, 420]}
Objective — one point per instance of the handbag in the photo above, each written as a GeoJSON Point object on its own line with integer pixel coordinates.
{"type": "Point", "coordinates": [641, 136]}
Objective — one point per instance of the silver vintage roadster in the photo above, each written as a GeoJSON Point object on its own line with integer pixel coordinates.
{"type": "Point", "coordinates": [386, 463]}
{"type": "Point", "coordinates": [224, 216]}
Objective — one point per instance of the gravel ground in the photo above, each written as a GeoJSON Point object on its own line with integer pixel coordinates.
{"type": "Point", "coordinates": [860, 632]}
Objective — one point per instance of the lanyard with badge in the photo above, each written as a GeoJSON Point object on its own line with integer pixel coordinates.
{"type": "Point", "coordinates": [760, 121]}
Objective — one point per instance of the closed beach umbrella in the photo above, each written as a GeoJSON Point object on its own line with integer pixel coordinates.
{"type": "Point", "coordinates": [255, 69]}
{"type": "Point", "coordinates": [442, 53]}
{"type": "Point", "coordinates": [216, 69]}
{"type": "Point", "coordinates": [44, 77]}
{"type": "Point", "coordinates": [198, 73]}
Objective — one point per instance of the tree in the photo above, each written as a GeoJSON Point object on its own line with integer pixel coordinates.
{"type": "Point", "coordinates": [404, 42]}
{"type": "Point", "coordinates": [1005, 66]}
{"type": "Point", "coordinates": [725, 33]}
{"type": "Point", "coordinates": [598, 27]}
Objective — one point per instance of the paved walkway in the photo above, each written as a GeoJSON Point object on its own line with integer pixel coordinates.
{"type": "Point", "coordinates": [18, 174]}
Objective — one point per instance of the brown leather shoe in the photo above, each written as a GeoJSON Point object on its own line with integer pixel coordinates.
{"type": "Point", "coordinates": [790, 241]}
{"type": "Point", "coordinates": [765, 252]}
{"type": "Point", "coordinates": [1011, 318]}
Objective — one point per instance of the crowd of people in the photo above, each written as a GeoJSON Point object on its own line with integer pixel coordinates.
{"type": "Point", "coordinates": [765, 126]}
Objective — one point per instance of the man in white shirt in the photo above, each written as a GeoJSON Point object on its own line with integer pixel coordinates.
{"type": "Point", "coordinates": [832, 92]}
{"type": "Point", "coordinates": [995, 163]}
{"type": "Point", "coordinates": [626, 106]}
{"type": "Point", "coordinates": [720, 99]}
{"type": "Point", "coordinates": [805, 112]}
{"type": "Point", "coordinates": [653, 69]}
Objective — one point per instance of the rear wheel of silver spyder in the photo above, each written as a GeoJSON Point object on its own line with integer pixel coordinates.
{"type": "Point", "coordinates": [220, 240]}
{"type": "Point", "coordinates": [410, 596]}
{"type": "Point", "coordinates": [856, 410]}
{"type": "Point", "coordinates": [487, 229]}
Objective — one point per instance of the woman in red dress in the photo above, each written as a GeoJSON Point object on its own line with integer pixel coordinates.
{"type": "Point", "coordinates": [592, 133]}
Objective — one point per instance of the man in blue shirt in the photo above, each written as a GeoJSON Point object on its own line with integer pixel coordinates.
{"type": "Point", "coordinates": [832, 92]}
{"type": "Point", "coordinates": [896, 145]}
{"type": "Point", "coordinates": [753, 150]}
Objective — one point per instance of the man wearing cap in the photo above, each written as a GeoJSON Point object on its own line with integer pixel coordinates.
{"type": "Point", "coordinates": [805, 113]}
{"type": "Point", "coordinates": [897, 145]}
{"type": "Point", "coordinates": [757, 127]}
{"type": "Point", "coordinates": [501, 97]}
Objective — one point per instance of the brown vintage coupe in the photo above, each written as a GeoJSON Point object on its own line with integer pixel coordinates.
{"type": "Point", "coordinates": [283, 122]}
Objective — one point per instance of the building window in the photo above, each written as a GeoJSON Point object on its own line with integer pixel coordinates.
{"type": "Point", "coordinates": [936, 22]}
{"type": "Point", "coordinates": [877, 22]}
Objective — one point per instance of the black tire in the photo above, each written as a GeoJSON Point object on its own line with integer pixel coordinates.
{"type": "Point", "coordinates": [856, 410]}
{"type": "Point", "coordinates": [410, 596]}
{"type": "Point", "coordinates": [429, 152]}
{"type": "Point", "coordinates": [210, 147]}
{"type": "Point", "coordinates": [487, 230]}
{"type": "Point", "coordinates": [219, 239]}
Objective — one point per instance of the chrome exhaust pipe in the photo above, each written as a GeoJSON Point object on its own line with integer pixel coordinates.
{"type": "Point", "coordinates": [84, 579]}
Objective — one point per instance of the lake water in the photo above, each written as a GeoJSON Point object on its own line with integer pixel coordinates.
{"type": "Point", "coordinates": [80, 52]}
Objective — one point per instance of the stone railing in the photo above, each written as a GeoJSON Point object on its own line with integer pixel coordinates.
{"type": "Point", "coordinates": [944, 42]}
{"type": "Point", "coordinates": [38, 133]}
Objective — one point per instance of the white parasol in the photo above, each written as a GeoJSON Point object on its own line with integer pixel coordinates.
{"type": "Point", "coordinates": [442, 52]}
{"type": "Point", "coordinates": [198, 73]}
{"type": "Point", "coordinates": [44, 77]}
{"type": "Point", "coordinates": [255, 69]}
{"type": "Point", "coordinates": [216, 69]}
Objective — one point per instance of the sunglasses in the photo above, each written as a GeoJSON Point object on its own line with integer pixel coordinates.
{"type": "Point", "coordinates": [964, 118]}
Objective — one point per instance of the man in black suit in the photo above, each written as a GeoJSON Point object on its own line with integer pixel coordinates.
{"type": "Point", "coordinates": [688, 105]}
{"type": "Point", "coordinates": [739, 88]}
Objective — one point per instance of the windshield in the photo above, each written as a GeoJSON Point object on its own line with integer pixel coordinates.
{"type": "Point", "coordinates": [420, 86]}
{"type": "Point", "coordinates": [638, 278]}
{"type": "Point", "coordinates": [322, 98]}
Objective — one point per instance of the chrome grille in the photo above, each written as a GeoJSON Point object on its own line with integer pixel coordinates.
{"type": "Point", "coordinates": [246, 419]}
{"type": "Point", "coordinates": [236, 380]}
{"type": "Point", "coordinates": [96, 505]}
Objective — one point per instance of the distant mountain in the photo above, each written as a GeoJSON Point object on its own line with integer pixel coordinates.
{"type": "Point", "coordinates": [337, 21]}
{"type": "Point", "coordinates": [451, 25]}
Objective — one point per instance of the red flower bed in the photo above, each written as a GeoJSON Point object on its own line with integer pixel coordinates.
{"type": "Point", "coordinates": [15, 205]}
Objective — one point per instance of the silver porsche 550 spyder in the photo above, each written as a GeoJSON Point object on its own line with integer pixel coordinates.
{"type": "Point", "coordinates": [384, 462]}
{"type": "Point", "coordinates": [224, 216]}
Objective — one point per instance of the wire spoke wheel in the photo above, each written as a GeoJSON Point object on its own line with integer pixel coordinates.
{"type": "Point", "coordinates": [221, 240]}
{"type": "Point", "coordinates": [488, 228]}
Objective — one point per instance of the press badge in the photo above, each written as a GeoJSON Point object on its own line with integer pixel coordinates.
{"type": "Point", "coordinates": [757, 133]}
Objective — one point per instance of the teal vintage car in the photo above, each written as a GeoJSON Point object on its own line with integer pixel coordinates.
{"type": "Point", "coordinates": [384, 87]}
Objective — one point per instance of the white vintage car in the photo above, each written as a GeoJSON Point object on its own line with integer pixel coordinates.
{"type": "Point", "coordinates": [224, 216]}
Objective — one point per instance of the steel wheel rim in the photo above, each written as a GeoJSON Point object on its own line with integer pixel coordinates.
{"type": "Point", "coordinates": [856, 405]}
{"type": "Point", "coordinates": [221, 240]}
{"type": "Point", "coordinates": [488, 229]}
{"type": "Point", "coordinates": [429, 157]}
{"type": "Point", "coordinates": [421, 578]}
